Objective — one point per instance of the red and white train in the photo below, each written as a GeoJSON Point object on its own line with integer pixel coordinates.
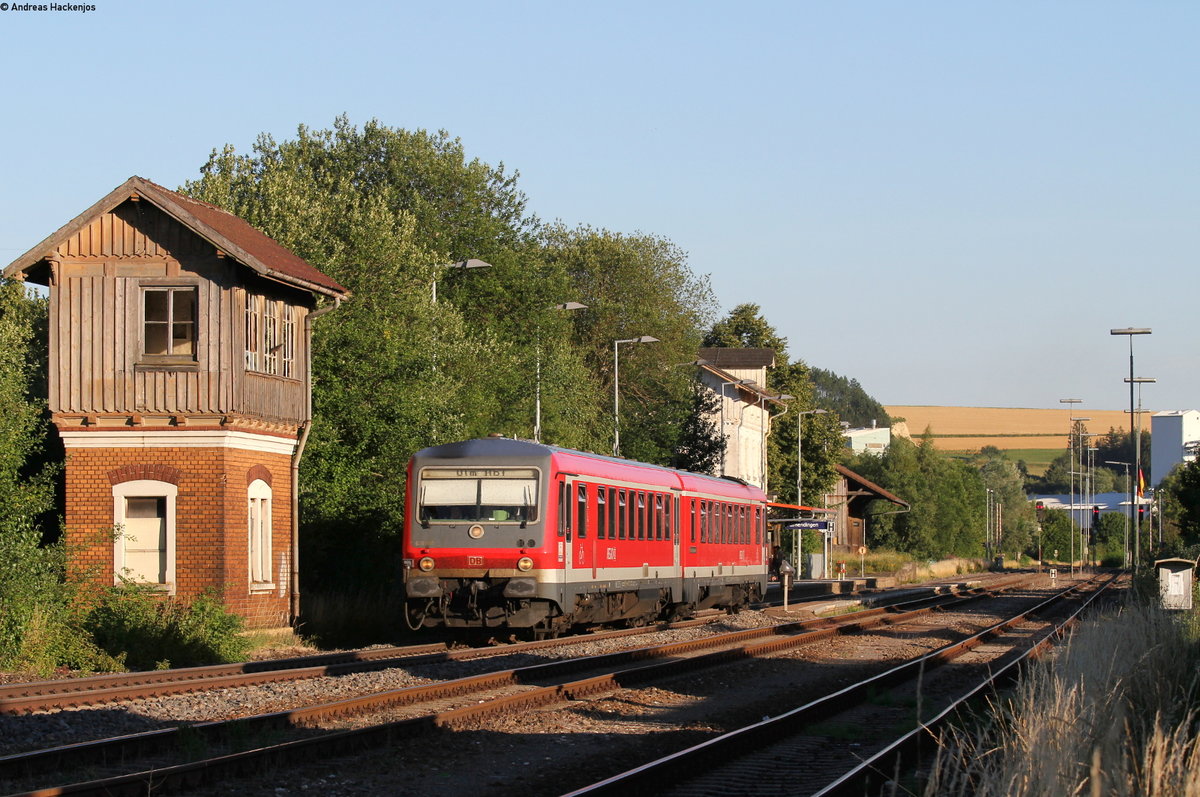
{"type": "Point", "coordinates": [503, 533]}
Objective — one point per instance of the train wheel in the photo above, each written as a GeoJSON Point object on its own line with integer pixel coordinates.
{"type": "Point", "coordinates": [547, 629]}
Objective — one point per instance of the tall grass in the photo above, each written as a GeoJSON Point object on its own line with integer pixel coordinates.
{"type": "Point", "coordinates": [1113, 713]}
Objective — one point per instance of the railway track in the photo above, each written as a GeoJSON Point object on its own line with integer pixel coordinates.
{"type": "Point", "coordinates": [506, 691]}
{"type": "Point", "coordinates": [793, 754]}
{"type": "Point", "coordinates": [70, 693]}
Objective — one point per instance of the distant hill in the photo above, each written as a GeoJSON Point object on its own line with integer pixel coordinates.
{"type": "Point", "coordinates": [971, 428]}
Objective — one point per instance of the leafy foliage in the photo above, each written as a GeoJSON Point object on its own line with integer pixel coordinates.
{"type": "Point", "coordinates": [1181, 493]}
{"type": "Point", "coordinates": [847, 398]}
{"type": "Point", "coordinates": [382, 210]}
{"type": "Point", "coordinates": [946, 496]}
{"type": "Point", "coordinates": [144, 631]}
{"type": "Point", "coordinates": [36, 623]}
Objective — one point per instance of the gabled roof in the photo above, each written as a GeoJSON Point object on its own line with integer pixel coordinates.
{"type": "Point", "coordinates": [870, 486]}
{"type": "Point", "coordinates": [225, 231]}
{"type": "Point", "coordinates": [729, 357]}
{"type": "Point", "coordinates": [753, 389]}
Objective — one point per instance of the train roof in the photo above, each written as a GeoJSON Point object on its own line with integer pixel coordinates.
{"type": "Point", "coordinates": [513, 449]}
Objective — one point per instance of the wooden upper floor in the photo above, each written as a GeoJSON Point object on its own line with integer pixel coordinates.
{"type": "Point", "coordinates": [169, 311]}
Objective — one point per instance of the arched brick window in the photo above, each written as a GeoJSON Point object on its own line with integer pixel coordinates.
{"type": "Point", "coordinates": [258, 522]}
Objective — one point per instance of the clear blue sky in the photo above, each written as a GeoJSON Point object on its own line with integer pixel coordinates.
{"type": "Point", "coordinates": [951, 202]}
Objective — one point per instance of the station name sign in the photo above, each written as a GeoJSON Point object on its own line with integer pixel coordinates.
{"type": "Point", "coordinates": [821, 525]}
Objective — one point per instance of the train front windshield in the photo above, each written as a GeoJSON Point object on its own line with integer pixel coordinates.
{"type": "Point", "coordinates": [478, 495]}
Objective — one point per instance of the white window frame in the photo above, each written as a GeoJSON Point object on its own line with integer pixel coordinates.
{"type": "Point", "coordinates": [270, 331]}
{"type": "Point", "coordinates": [144, 488]}
{"type": "Point", "coordinates": [259, 562]}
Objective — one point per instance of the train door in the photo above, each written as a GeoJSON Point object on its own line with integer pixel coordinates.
{"type": "Point", "coordinates": [578, 559]}
{"type": "Point", "coordinates": [564, 538]}
{"type": "Point", "coordinates": [673, 523]}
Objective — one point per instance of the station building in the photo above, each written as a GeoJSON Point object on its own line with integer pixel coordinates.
{"type": "Point", "coordinates": [180, 384]}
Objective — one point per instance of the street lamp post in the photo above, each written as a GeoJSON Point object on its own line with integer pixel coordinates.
{"type": "Point", "coordinates": [1071, 472]}
{"type": "Point", "coordinates": [1137, 443]}
{"type": "Point", "coordinates": [782, 397]}
{"type": "Point", "coordinates": [800, 448]}
{"type": "Point", "coordinates": [537, 401]}
{"type": "Point", "coordinates": [1135, 422]}
{"type": "Point", "coordinates": [617, 389]}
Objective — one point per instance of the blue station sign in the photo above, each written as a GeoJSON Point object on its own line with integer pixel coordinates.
{"type": "Point", "coordinates": [820, 525]}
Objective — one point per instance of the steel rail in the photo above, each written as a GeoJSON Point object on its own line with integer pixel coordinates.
{"type": "Point", "coordinates": [856, 781]}
{"type": "Point", "coordinates": [24, 698]}
{"type": "Point", "coordinates": [685, 764]}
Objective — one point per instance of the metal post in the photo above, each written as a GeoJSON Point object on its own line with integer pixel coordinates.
{"type": "Point", "coordinates": [617, 389]}
{"type": "Point", "coordinates": [1137, 443]}
{"type": "Point", "coordinates": [800, 449]}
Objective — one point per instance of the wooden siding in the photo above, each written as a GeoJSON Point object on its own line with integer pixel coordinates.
{"type": "Point", "coordinates": [96, 362]}
{"type": "Point", "coordinates": [134, 229]}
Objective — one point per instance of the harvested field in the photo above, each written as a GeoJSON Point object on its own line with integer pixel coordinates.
{"type": "Point", "coordinates": [971, 428]}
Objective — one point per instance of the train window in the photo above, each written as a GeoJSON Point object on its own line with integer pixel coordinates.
{"type": "Point", "coordinates": [703, 521]}
{"type": "Point", "coordinates": [622, 516]}
{"type": "Point", "coordinates": [563, 514]}
{"type": "Point", "coordinates": [612, 513]}
{"type": "Point", "coordinates": [641, 516]}
{"type": "Point", "coordinates": [758, 526]}
{"type": "Point", "coordinates": [581, 508]}
{"type": "Point", "coordinates": [601, 513]}
{"type": "Point", "coordinates": [743, 529]}
{"type": "Point", "coordinates": [478, 495]}
{"type": "Point", "coordinates": [729, 528]}
{"type": "Point", "coordinates": [672, 532]}
{"type": "Point", "coordinates": [659, 525]}
{"type": "Point", "coordinates": [695, 517]}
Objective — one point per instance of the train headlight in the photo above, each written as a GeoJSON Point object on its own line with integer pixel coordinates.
{"type": "Point", "coordinates": [425, 564]}
{"type": "Point", "coordinates": [524, 564]}
{"type": "Point", "coordinates": [475, 532]}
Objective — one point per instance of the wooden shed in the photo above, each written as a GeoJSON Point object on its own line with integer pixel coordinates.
{"type": "Point", "coordinates": [179, 382]}
{"type": "Point", "coordinates": [849, 501]}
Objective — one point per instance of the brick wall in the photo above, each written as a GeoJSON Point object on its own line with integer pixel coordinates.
{"type": "Point", "coordinates": [211, 532]}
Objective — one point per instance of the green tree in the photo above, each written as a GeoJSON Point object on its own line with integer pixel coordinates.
{"type": "Point", "coordinates": [1181, 491]}
{"type": "Point", "coordinates": [1109, 538]}
{"type": "Point", "coordinates": [635, 285]}
{"type": "Point", "coordinates": [946, 495]}
{"type": "Point", "coordinates": [1058, 533]}
{"type": "Point", "coordinates": [1003, 477]}
{"type": "Point", "coordinates": [382, 210]}
{"type": "Point", "coordinates": [847, 398]}
{"type": "Point", "coordinates": [35, 630]}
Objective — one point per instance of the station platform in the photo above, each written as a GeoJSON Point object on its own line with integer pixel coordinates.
{"type": "Point", "coordinates": [822, 596]}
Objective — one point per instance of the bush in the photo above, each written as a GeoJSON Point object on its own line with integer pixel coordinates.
{"type": "Point", "coordinates": [137, 626]}
{"type": "Point", "coordinates": [40, 627]}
